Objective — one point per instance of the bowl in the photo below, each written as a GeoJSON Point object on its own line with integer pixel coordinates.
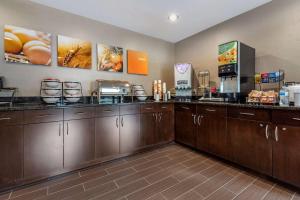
{"type": "Point", "coordinates": [51, 100]}
{"type": "Point", "coordinates": [51, 92]}
{"type": "Point", "coordinates": [137, 87]}
{"type": "Point", "coordinates": [142, 98]}
{"type": "Point", "coordinates": [139, 92]}
{"type": "Point", "coordinates": [52, 84]}
{"type": "Point", "coordinates": [71, 84]}
{"type": "Point", "coordinates": [71, 91]}
{"type": "Point", "coordinates": [72, 99]}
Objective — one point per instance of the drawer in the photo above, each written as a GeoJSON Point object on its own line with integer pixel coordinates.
{"type": "Point", "coordinates": [78, 113]}
{"type": "Point", "coordinates": [149, 108]}
{"type": "Point", "coordinates": [107, 110]}
{"type": "Point", "coordinates": [249, 114]}
{"type": "Point", "coordinates": [165, 107]}
{"type": "Point", "coordinates": [218, 111]}
{"type": "Point", "coordinates": [38, 116]}
{"type": "Point", "coordinates": [11, 117]}
{"type": "Point", "coordinates": [289, 117]}
{"type": "Point", "coordinates": [185, 107]}
{"type": "Point", "coordinates": [129, 109]}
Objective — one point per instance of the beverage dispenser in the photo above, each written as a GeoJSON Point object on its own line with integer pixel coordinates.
{"type": "Point", "coordinates": [236, 70]}
{"type": "Point", "coordinates": [183, 80]}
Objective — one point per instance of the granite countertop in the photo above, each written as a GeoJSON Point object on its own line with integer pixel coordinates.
{"type": "Point", "coordinates": [40, 106]}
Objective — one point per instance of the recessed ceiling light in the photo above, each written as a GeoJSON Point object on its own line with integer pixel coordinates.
{"type": "Point", "coordinates": [173, 17]}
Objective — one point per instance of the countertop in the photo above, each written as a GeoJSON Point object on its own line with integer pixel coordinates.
{"type": "Point", "coordinates": [40, 106]}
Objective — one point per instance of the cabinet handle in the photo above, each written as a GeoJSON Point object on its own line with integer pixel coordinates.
{"type": "Point", "coordinates": [186, 108]}
{"type": "Point", "coordinates": [267, 131]}
{"type": "Point", "coordinates": [122, 122]}
{"type": "Point", "coordinates": [249, 114]}
{"type": "Point", "coordinates": [297, 119]}
{"type": "Point", "coordinates": [148, 108]}
{"type": "Point", "coordinates": [59, 128]}
{"type": "Point", "coordinates": [199, 120]}
{"type": "Point", "coordinates": [67, 128]}
{"type": "Point", "coordinates": [117, 122]}
{"type": "Point", "coordinates": [46, 115]}
{"type": "Point", "coordinates": [5, 118]}
{"type": "Point", "coordinates": [160, 116]}
{"type": "Point", "coordinates": [80, 113]}
{"type": "Point", "coordinates": [210, 110]}
{"type": "Point", "coordinates": [194, 117]}
{"type": "Point", "coordinates": [164, 107]}
{"type": "Point", "coordinates": [276, 134]}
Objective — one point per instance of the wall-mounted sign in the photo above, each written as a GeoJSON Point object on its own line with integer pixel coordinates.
{"type": "Point", "coordinates": [74, 53]}
{"type": "Point", "coordinates": [27, 46]}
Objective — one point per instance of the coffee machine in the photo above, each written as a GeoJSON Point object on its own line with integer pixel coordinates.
{"type": "Point", "coordinates": [236, 70]}
{"type": "Point", "coordinates": [183, 73]}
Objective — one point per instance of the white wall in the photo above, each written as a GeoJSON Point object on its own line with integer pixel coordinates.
{"type": "Point", "coordinates": [273, 30]}
{"type": "Point", "coordinates": [27, 77]}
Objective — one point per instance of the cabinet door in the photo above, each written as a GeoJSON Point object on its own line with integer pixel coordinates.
{"type": "Point", "coordinates": [249, 144]}
{"type": "Point", "coordinates": [107, 136]}
{"type": "Point", "coordinates": [11, 154]}
{"type": "Point", "coordinates": [43, 149]}
{"type": "Point", "coordinates": [79, 142]}
{"type": "Point", "coordinates": [148, 129]}
{"type": "Point", "coordinates": [166, 127]}
{"type": "Point", "coordinates": [129, 133]}
{"type": "Point", "coordinates": [286, 155]}
{"type": "Point", "coordinates": [185, 128]}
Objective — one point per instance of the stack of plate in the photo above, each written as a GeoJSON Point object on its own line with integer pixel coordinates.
{"type": "Point", "coordinates": [72, 91]}
{"type": "Point", "coordinates": [51, 90]}
{"type": "Point", "coordinates": [139, 92]}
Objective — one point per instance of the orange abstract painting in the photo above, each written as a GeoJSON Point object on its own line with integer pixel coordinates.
{"type": "Point", "coordinates": [137, 62]}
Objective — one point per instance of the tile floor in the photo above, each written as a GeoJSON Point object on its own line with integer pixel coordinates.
{"type": "Point", "coordinates": [172, 172]}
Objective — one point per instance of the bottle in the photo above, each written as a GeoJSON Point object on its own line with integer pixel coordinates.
{"type": "Point", "coordinates": [284, 97]}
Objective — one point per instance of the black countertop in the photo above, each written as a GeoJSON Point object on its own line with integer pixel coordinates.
{"type": "Point", "coordinates": [40, 106]}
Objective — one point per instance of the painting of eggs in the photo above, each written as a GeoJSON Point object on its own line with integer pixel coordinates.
{"type": "Point", "coordinates": [27, 46]}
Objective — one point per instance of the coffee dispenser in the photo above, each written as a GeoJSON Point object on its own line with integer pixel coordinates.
{"type": "Point", "coordinates": [236, 70]}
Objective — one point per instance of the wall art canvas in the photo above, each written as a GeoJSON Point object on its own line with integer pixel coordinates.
{"type": "Point", "coordinates": [74, 53]}
{"type": "Point", "coordinates": [110, 58]}
{"type": "Point", "coordinates": [137, 62]}
{"type": "Point", "coordinates": [22, 45]}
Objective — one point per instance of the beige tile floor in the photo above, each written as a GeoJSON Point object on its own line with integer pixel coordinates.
{"type": "Point", "coordinates": [172, 172]}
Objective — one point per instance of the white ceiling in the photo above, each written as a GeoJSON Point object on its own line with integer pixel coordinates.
{"type": "Point", "coordinates": [150, 17]}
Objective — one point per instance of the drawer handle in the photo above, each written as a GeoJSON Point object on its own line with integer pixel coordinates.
{"type": "Point", "coordinates": [80, 113]}
{"type": "Point", "coordinates": [186, 108]}
{"type": "Point", "coordinates": [47, 115]}
{"type": "Point", "coordinates": [5, 118]}
{"type": "Point", "coordinates": [148, 108]}
{"type": "Point", "coordinates": [248, 114]}
{"type": "Point", "coordinates": [164, 107]}
{"type": "Point", "coordinates": [210, 110]}
{"type": "Point", "coordinates": [297, 119]}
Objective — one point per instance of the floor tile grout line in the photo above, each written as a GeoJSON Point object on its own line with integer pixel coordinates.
{"type": "Point", "coordinates": [237, 194]}
{"type": "Point", "coordinates": [264, 196]}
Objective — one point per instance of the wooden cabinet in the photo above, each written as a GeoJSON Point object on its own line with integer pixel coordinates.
{"type": "Point", "coordinates": [250, 144]}
{"type": "Point", "coordinates": [107, 136]}
{"type": "Point", "coordinates": [211, 134]}
{"type": "Point", "coordinates": [148, 129]}
{"type": "Point", "coordinates": [185, 124]}
{"type": "Point", "coordinates": [43, 149]}
{"type": "Point", "coordinates": [79, 142]}
{"type": "Point", "coordinates": [11, 154]}
{"type": "Point", "coordinates": [165, 126]}
{"type": "Point", "coordinates": [129, 133]}
{"type": "Point", "coordinates": [286, 146]}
